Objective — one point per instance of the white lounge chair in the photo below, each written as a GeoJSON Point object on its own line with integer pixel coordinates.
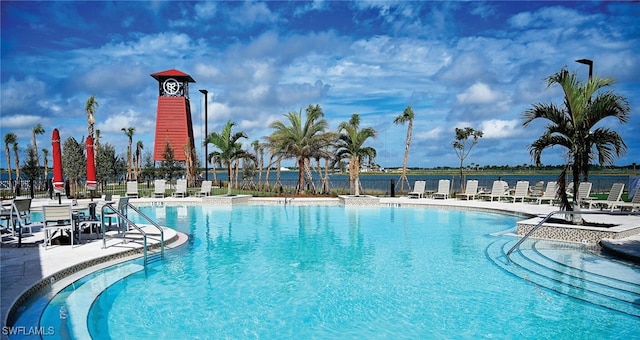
{"type": "Point", "coordinates": [205, 189]}
{"type": "Point", "coordinates": [418, 189]}
{"type": "Point", "coordinates": [633, 205]}
{"type": "Point", "coordinates": [443, 189]}
{"type": "Point", "coordinates": [18, 215]}
{"type": "Point", "coordinates": [57, 218]}
{"type": "Point", "coordinates": [159, 188]}
{"type": "Point", "coordinates": [549, 194]}
{"type": "Point", "coordinates": [132, 189]}
{"type": "Point", "coordinates": [612, 198]}
{"type": "Point", "coordinates": [498, 190]}
{"type": "Point", "coordinates": [522, 189]}
{"type": "Point", "coordinates": [537, 190]}
{"type": "Point", "coordinates": [181, 188]}
{"type": "Point", "coordinates": [471, 190]}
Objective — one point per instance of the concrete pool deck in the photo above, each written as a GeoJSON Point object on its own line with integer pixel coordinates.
{"type": "Point", "coordinates": [24, 268]}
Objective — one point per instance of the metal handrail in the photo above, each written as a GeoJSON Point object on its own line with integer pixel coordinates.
{"type": "Point", "coordinates": [152, 223]}
{"type": "Point", "coordinates": [578, 212]}
{"type": "Point", "coordinates": [125, 218]}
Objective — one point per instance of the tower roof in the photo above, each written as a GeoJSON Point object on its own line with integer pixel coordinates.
{"type": "Point", "coordinates": [172, 73]}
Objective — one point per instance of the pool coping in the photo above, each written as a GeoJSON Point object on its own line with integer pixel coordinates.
{"type": "Point", "coordinates": [524, 210]}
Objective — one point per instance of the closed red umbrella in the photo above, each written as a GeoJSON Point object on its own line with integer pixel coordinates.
{"type": "Point", "coordinates": [91, 166]}
{"type": "Point", "coordinates": [58, 182]}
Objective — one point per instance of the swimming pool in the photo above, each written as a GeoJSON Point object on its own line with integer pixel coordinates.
{"type": "Point", "coordinates": [332, 272]}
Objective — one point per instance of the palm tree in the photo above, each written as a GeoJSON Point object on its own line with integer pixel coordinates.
{"type": "Point", "coordinates": [16, 149]}
{"type": "Point", "coordinates": [130, 131]}
{"type": "Point", "coordinates": [45, 153]}
{"type": "Point", "coordinates": [37, 130]}
{"type": "Point", "coordinates": [299, 140]}
{"type": "Point", "coordinates": [574, 125]}
{"type": "Point", "coordinates": [138, 158]}
{"type": "Point", "coordinates": [406, 116]}
{"type": "Point", "coordinates": [229, 149]}
{"type": "Point", "coordinates": [351, 145]}
{"type": "Point", "coordinates": [90, 107]}
{"type": "Point", "coordinates": [9, 139]}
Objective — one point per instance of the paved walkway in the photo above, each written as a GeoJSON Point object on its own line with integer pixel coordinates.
{"type": "Point", "coordinates": [24, 267]}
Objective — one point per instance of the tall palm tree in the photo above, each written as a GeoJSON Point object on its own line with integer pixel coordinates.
{"type": "Point", "coordinates": [90, 107]}
{"type": "Point", "coordinates": [45, 153]}
{"type": "Point", "coordinates": [351, 145]}
{"type": "Point", "coordinates": [16, 157]}
{"type": "Point", "coordinates": [9, 139]}
{"type": "Point", "coordinates": [138, 158]}
{"type": "Point", "coordinates": [37, 130]}
{"type": "Point", "coordinates": [130, 131]}
{"type": "Point", "coordinates": [574, 125]}
{"type": "Point", "coordinates": [301, 140]}
{"type": "Point", "coordinates": [406, 116]}
{"type": "Point", "coordinates": [229, 148]}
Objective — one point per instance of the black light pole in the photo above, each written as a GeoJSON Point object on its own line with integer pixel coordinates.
{"type": "Point", "coordinates": [206, 149]}
{"type": "Point", "coordinates": [587, 62]}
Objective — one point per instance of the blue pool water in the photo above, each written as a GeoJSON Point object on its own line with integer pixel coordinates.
{"type": "Point", "coordinates": [332, 272]}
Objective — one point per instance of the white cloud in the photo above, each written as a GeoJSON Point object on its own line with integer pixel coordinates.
{"type": "Point", "coordinates": [432, 134]}
{"type": "Point", "coordinates": [497, 128]}
{"type": "Point", "coordinates": [478, 93]}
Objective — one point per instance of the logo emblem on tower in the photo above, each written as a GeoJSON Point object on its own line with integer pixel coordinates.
{"type": "Point", "coordinates": [171, 87]}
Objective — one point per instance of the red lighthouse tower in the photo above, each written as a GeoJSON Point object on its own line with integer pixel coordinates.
{"type": "Point", "coordinates": [173, 121]}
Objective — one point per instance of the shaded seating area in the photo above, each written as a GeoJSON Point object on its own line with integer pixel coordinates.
{"type": "Point", "coordinates": [132, 189]}
{"type": "Point", "coordinates": [549, 194]}
{"type": "Point", "coordinates": [612, 198]}
{"type": "Point", "coordinates": [418, 189]}
{"type": "Point", "coordinates": [443, 189]}
{"type": "Point", "coordinates": [181, 188]}
{"type": "Point", "coordinates": [471, 190]}
{"type": "Point", "coordinates": [159, 188]}
{"type": "Point", "coordinates": [205, 189]}
{"type": "Point", "coordinates": [57, 220]}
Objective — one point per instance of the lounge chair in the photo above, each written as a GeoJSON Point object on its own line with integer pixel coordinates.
{"type": "Point", "coordinates": [613, 198]}
{"type": "Point", "coordinates": [471, 190]}
{"type": "Point", "coordinates": [132, 189]}
{"type": "Point", "coordinates": [537, 190]}
{"type": "Point", "coordinates": [633, 205]}
{"type": "Point", "coordinates": [498, 190]}
{"type": "Point", "coordinates": [159, 188]}
{"type": "Point", "coordinates": [57, 218]}
{"type": "Point", "coordinates": [418, 189]}
{"type": "Point", "coordinates": [205, 189]}
{"type": "Point", "coordinates": [549, 194]}
{"type": "Point", "coordinates": [443, 189]}
{"type": "Point", "coordinates": [181, 188]}
{"type": "Point", "coordinates": [522, 189]}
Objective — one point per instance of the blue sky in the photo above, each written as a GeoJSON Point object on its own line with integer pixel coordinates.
{"type": "Point", "coordinates": [472, 63]}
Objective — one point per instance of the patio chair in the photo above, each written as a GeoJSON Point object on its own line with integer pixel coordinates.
{"type": "Point", "coordinates": [159, 188]}
{"type": "Point", "coordinates": [181, 188]}
{"type": "Point", "coordinates": [18, 215]}
{"type": "Point", "coordinates": [549, 194]}
{"type": "Point", "coordinates": [522, 189]}
{"type": "Point", "coordinates": [57, 218]}
{"type": "Point", "coordinates": [537, 190]}
{"type": "Point", "coordinates": [612, 198]}
{"type": "Point", "coordinates": [498, 190]}
{"type": "Point", "coordinates": [418, 189]}
{"type": "Point", "coordinates": [443, 189]}
{"type": "Point", "coordinates": [633, 205]}
{"type": "Point", "coordinates": [205, 189]}
{"type": "Point", "coordinates": [471, 190]}
{"type": "Point", "coordinates": [132, 189]}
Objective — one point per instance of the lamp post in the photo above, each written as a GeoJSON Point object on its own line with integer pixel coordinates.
{"type": "Point", "coordinates": [206, 149]}
{"type": "Point", "coordinates": [587, 62]}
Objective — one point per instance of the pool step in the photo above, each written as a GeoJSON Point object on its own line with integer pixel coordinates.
{"type": "Point", "coordinates": [571, 273]}
{"type": "Point", "coordinates": [78, 302]}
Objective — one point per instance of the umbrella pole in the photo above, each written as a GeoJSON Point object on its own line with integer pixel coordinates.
{"type": "Point", "coordinates": [59, 199]}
